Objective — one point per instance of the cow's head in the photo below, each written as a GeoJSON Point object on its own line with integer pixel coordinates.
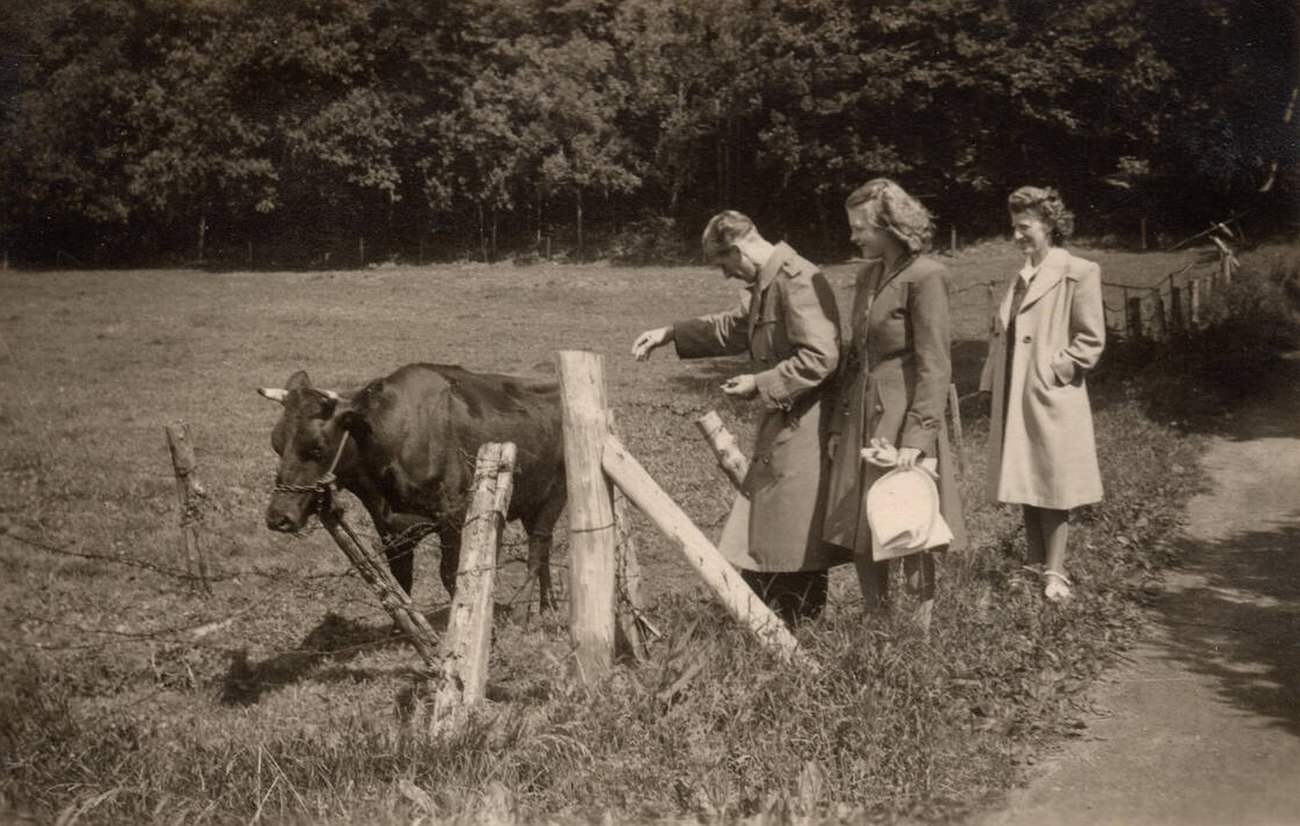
{"type": "Point", "coordinates": [306, 437]}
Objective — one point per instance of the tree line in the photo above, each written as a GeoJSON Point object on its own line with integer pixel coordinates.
{"type": "Point", "coordinates": [333, 131]}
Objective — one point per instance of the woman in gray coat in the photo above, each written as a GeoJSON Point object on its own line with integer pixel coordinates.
{"type": "Point", "coordinates": [893, 384]}
{"type": "Point", "coordinates": [1049, 332]}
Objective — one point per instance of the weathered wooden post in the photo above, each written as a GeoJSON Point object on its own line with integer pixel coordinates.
{"type": "Point", "coordinates": [591, 511]}
{"type": "Point", "coordinates": [1133, 316]}
{"type": "Point", "coordinates": [631, 624]}
{"type": "Point", "coordinates": [398, 604]}
{"type": "Point", "coordinates": [730, 458]}
{"type": "Point", "coordinates": [189, 495]}
{"type": "Point", "coordinates": [1178, 322]}
{"type": "Point", "coordinates": [1159, 325]}
{"type": "Point", "coordinates": [952, 241]}
{"type": "Point", "coordinates": [1194, 301]}
{"type": "Point", "coordinates": [469, 629]}
{"type": "Point", "coordinates": [708, 562]}
{"type": "Point", "coordinates": [958, 440]}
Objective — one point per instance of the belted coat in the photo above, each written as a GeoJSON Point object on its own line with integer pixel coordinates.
{"type": "Point", "coordinates": [1042, 450]}
{"type": "Point", "coordinates": [893, 385]}
{"type": "Point", "coordinates": [789, 325]}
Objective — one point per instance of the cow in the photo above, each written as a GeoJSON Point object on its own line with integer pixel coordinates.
{"type": "Point", "coordinates": [413, 437]}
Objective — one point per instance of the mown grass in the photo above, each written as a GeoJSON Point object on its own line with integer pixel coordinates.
{"type": "Point", "coordinates": [120, 702]}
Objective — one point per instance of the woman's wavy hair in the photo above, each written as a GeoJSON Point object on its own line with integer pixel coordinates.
{"type": "Point", "coordinates": [896, 212]}
{"type": "Point", "coordinates": [1045, 203]}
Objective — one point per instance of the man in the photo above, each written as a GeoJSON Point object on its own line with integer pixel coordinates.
{"type": "Point", "coordinates": [789, 325]}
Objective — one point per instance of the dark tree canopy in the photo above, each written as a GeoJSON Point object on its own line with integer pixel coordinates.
{"type": "Point", "coordinates": [143, 130]}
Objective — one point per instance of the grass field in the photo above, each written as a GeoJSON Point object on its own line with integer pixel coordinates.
{"type": "Point", "coordinates": [135, 708]}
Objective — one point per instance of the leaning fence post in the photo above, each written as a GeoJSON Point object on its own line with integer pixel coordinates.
{"type": "Point", "coordinates": [469, 628]}
{"type": "Point", "coordinates": [708, 562]}
{"type": "Point", "coordinates": [959, 442]}
{"type": "Point", "coordinates": [1194, 301]}
{"type": "Point", "coordinates": [189, 495]}
{"type": "Point", "coordinates": [730, 458]}
{"type": "Point", "coordinates": [591, 511]}
{"type": "Point", "coordinates": [398, 604]}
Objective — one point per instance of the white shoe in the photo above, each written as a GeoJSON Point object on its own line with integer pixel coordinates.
{"type": "Point", "coordinates": [1058, 586]}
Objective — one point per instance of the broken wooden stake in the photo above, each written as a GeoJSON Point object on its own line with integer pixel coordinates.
{"type": "Point", "coordinates": [189, 495]}
{"type": "Point", "coordinates": [725, 448]}
{"type": "Point", "coordinates": [469, 629]}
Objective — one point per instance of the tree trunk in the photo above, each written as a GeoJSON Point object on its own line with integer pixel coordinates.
{"type": "Point", "coordinates": [496, 216]}
{"type": "Point", "coordinates": [579, 202]}
{"type": "Point", "coordinates": [482, 231]}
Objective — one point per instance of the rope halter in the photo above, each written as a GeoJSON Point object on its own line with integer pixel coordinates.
{"type": "Point", "coordinates": [326, 483]}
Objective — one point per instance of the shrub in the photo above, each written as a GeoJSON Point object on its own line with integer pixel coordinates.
{"type": "Point", "coordinates": [651, 239]}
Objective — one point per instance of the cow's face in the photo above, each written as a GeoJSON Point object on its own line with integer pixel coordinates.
{"type": "Point", "coordinates": [306, 437]}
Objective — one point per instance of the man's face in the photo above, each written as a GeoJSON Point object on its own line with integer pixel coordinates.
{"type": "Point", "coordinates": [735, 264]}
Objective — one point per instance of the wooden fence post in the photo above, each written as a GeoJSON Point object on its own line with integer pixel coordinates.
{"type": "Point", "coordinates": [189, 495]}
{"type": "Point", "coordinates": [958, 441]}
{"type": "Point", "coordinates": [1176, 319]}
{"type": "Point", "coordinates": [952, 246]}
{"type": "Point", "coordinates": [1133, 316]}
{"type": "Point", "coordinates": [1159, 326]}
{"type": "Point", "coordinates": [730, 458]}
{"type": "Point", "coordinates": [631, 624]}
{"type": "Point", "coordinates": [1194, 301]}
{"type": "Point", "coordinates": [708, 562]}
{"type": "Point", "coordinates": [398, 604]}
{"type": "Point", "coordinates": [591, 511]}
{"type": "Point", "coordinates": [469, 628]}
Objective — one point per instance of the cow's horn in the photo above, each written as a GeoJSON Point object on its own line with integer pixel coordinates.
{"type": "Point", "coordinates": [275, 394]}
{"type": "Point", "coordinates": [330, 394]}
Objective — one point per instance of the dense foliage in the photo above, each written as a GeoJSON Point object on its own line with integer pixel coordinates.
{"type": "Point", "coordinates": [362, 129]}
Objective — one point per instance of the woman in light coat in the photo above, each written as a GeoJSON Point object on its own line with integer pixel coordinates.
{"type": "Point", "coordinates": [893, 383]}
{"type": "Point", "coordinates": [1049, 332]}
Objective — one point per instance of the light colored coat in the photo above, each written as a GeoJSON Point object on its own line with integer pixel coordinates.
{"type": "Point", "coordinates": [790, 327]}
{"type": "Point", "coordinates": [893, 385]}
{"type": "Point", "coordinates": [1042, 451]}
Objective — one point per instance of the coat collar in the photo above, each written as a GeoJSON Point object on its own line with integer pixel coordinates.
{"type": "Point", "coordinates": [1050, 273]}
{"type": "Point", "coordinates": [781, 253]}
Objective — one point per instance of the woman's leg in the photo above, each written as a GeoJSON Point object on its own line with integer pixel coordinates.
{"type": "Point", "coordinates": [919, 572]}
{"type": "Point", "coordinates": [1034, 540]}
{"type": "Point", "coordinates": [1055, 525]}
{"type": "Point", "coordinates": [873, 577]}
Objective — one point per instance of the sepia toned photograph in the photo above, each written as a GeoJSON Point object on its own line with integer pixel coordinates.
{"type": "Point", "coordinates": [754, 412]}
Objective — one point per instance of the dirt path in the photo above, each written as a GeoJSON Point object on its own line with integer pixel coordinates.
{"type": "Point", "coordinates": [1203, 725]}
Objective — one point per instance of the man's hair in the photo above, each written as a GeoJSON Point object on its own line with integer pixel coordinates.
{"type": "Point", "coordinates": [1046, 204]}
{"type": "Point", "coordinates": [896, 212]}
{"type": "Point", "coordinates": [723, 231]}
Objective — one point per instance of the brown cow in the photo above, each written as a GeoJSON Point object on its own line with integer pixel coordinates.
{"type": "Point", "coordinates": [413, 439]}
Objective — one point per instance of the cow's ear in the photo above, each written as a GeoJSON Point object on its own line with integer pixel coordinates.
{"type": "Point", "coordinates": [354, 422]}
{"type": "Point", "coordinates": [275, 394]}
{"type": "Point", "coordinates": [298, 381]}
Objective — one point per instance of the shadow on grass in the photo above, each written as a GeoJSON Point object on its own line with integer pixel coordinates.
{"type": "Point", "coordinates": [336, 639]}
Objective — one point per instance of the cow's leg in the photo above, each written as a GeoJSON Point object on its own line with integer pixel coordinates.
{"type": "Point", "coordinates": [400, 533]}
{"type": "Point", "coordinates": [450, 562]}
{"type": "Point", "coordinates": [540, 529]}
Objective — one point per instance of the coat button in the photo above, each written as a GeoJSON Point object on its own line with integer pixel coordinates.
{"type": "Point", "coordinates": [880, 408]}
{"type": "Point", "coordinates": [1027, 339]}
